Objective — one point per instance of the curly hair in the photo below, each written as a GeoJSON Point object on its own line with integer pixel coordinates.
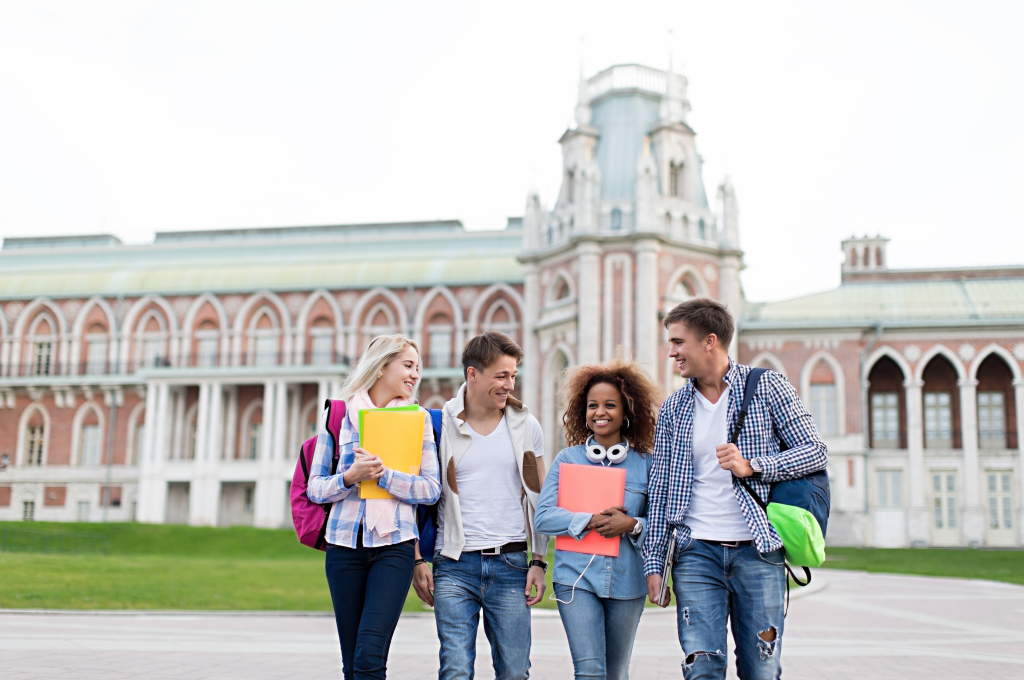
{"type": "Point", "coordinates": [641, 397]}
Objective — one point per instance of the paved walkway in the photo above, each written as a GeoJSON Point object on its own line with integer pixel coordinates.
{"type": "Point", "coordinates": [858, 626]}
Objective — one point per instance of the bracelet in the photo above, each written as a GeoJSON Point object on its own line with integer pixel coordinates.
{"type": "Point", "coordinates": [419, 562]}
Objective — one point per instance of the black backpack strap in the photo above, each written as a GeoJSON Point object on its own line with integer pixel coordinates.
{"type": "Point", "coordinates": [748, 393]}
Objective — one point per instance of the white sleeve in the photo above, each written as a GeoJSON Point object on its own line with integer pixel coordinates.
{"type": "Point", "coordinates": [538, 437]}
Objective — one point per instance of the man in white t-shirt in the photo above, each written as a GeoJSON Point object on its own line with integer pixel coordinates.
{"type": "Point", "coordinates": [491, 459]}
{"type": "Point", "coordinates": [729, 569]}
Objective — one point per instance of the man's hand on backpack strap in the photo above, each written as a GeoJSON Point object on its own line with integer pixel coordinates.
{"type": "Point", "coordinates": [730, 458]}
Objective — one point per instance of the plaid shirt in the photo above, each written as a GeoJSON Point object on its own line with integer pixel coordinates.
{"type": "Point", "coordinates": [349, 510]}
{"type": "Point", "coordinates": [775, 411]}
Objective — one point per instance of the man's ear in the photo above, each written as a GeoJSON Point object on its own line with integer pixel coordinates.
{"type": "Point", "coordinates": [710, 342]}
{"type": "Point", "coordinates": [471, 374]}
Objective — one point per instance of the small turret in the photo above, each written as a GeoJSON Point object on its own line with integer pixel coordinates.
{"type": "Point", "coordinates": [865, 254]}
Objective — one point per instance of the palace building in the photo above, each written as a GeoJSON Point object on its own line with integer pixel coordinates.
{"type": "Point", "coordinates": [174, 381]}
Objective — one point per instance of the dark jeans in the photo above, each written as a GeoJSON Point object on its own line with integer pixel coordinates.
{"type": "Point", "coordinates": [368, 588]}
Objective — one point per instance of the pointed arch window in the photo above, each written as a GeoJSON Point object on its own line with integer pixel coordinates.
{"type": "Point", "coordinates": [34, 445]}
{"type": "Point", "coordinates": [42, 342]}
{"type": "Point", "coordinates": [96, 352]}
{"type": "Point", "coordinates": [321, 342]}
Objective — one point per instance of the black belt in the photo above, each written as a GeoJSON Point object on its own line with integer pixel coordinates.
{"type": "Point", "coordinates": [727, 544]}
{"type": "Point", "coordinates": [518, 546]}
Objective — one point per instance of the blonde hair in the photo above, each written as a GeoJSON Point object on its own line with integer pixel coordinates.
{"type": "Point", "coordinates": [382, 351]}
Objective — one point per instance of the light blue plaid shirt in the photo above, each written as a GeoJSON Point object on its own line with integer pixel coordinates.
{"type": "Point", "coordinates": [349, 510]}
{"type": "Point", "coordinates": [775, 411]}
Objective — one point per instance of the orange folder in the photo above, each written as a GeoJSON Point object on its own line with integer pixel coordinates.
{"type": "Point", "coordinates": [396, 437]}
{"type": "Point", "coordinates": [593, 489]}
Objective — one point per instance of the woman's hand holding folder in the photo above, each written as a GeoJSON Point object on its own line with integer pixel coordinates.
{"type": "Point", "coordinates": [612, 522]}
{"type": "Point", "coordinates": [366, 467]}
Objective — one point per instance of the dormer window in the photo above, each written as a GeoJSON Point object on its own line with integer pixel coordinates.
{"type": "Point", "coordinates": [702, 229]}
{"type": "Point", "coordinates": [616, 219]}
{"type": "Point", "coordinates": [570, 177]}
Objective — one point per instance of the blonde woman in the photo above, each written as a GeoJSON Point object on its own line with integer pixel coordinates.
{"type": "Point", "coordinates": [370, 543]}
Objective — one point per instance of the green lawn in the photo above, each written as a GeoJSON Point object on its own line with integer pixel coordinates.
{"type": "Point", "coordinates": [992, 565]}
{"type": "Point", "coordinates": [176, 567]}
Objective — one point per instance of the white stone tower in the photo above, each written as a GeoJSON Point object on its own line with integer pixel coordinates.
{"type": "Point", "coordinates": [630, 236]}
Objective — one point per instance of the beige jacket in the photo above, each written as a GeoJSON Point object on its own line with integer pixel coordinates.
{"type": "Point", "coordinates": [456, 440]}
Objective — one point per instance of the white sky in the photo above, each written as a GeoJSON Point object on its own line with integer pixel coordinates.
{"type": "Point", "coordinates": [900, 118]}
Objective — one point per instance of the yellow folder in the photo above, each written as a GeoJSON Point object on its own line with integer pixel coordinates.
{"type": "Point", "coordinates": [396, 437]}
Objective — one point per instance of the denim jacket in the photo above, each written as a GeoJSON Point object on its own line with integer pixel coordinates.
{"type": "Point", "coordinates": [622, 577]}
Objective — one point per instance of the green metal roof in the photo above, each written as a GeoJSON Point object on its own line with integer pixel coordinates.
{"type": "Point", "coordinates": [363, 256]}
{"type": "Point", "coordinates": [898, 303]}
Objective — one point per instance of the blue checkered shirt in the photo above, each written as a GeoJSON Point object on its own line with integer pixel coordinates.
{"type": "Point", "coordinates": [775, 411]}
{"type": "Point", "coordinates": [348, 510]}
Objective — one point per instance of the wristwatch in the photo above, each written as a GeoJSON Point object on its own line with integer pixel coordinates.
{"type": "Point", "coordinates": [756, 467]}
{"type": "Point", "coordinates": [539, 563]}
{"type": "Point", "coordinates": [637, 529]}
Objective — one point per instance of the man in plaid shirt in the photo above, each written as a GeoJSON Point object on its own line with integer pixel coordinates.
{"type": "Point", "coordinates": [728, 558]}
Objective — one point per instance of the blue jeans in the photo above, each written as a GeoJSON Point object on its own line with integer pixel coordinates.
{"type": "Point", "coordinates": [713, 584]}
{"type": "Point", "coordinates": [497, 585]}
{"type": "Point", "coordinates": [600, 631]}
{"type": "Point", "coordinates": [368, 588]}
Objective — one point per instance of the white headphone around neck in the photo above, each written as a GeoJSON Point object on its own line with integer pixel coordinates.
{"type": "Point", "coordinates": [598, 454]}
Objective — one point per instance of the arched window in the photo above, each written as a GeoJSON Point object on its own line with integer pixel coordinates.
{"type": "Point", "coordinates": [551, 232]}
{"type": "Point", "coordinates": [440, 332]}
{"type": "Point", "coordinates": [560, 290]}
{"type": "Point", "coordinates": [321, 341]}
{"type": "Point", "coordinates": [35, 439]}
{"type": "Point", "coordinates": [823, 399]}
{"type": "Point", "coordinates": [501, 316]}
{"type": "Point", "coordinates": [264, 333]}
{"type": "Point", "coordinates": [42, 344]}
{"type": "Point", "coordinates": [616, 219]}
{"type": "Point", "coordinates": [90, 439]}
{"type": "Point", "coordinates": [702, 229]}
{"type": "Point", "coordinates": [675, 179]}
{"type": "Point", "coordinates": [853, 257]}
{"type": "Point", "coordinates": [668, 223]}
{"type": "Point", "coordinates": [250, 438]}
{"type": "Point", "coordinates": [867, 257]}
{"type": "Point", "coordinates": [878, 257]}
{"type": "Point", "coordinates": [886, 410]}
{"type": "Point", "coordinates": [206, 344]}
{"type": "Point", "coordinates": [570, 178]}
{"type": "Point", "coordinates": [941, 405]}
{"type": "Point", "coordinates": [997, 421]}
{"type": "Point", "coordinates": [97, 347]}
{"type": "Point", "coordinates": [380, 320]}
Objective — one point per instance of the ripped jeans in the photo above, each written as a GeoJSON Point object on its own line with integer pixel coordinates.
{"type": "Point", "coordinates": [714, 583]}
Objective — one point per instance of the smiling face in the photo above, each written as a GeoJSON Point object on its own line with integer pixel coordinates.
{"type": "Point", "coordinates": [491, 387]}
{"type": "Point", "coordinates": [401, 375]}
{"type": "Point", "coordinates": [691, 353]}
{"type": "Point", "coordinates": [605, 412]}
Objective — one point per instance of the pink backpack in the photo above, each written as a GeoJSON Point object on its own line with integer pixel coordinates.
{"type": "Point", "coordinates": [310, 518]}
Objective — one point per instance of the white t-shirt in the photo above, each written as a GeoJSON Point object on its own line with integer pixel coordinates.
{"type": "Point", "coordinates": [714, 512]}
{"type": "Point", "coordinates": [490, 489]}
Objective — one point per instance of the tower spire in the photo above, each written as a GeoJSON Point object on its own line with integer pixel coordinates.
{"type": "Point", "coordinates": [671, 103]}
{"type": "Point", "coordinates": [582, 99]}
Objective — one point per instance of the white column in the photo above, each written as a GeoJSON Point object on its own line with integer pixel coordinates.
{"type": "Point", "coordinates": [1018, 389]}
{"type": "Point", "coordinates": [588, 296]}
{"type": "Point", "coordinates": [294, 440]}
{"type": "Point", "coordinates": [263, 516]}
{"type": "Point", "coordinates": [972, 515]}
{"type": "Point", "coordinates": [198, 492]}
{"type": "Point", "coordinates": [147, 463]}
{"type": "Point", "coordinates": [231, 425]}
{"type": "Point", "coordinates": [212, 461]}
{"type": "Point", "coordinates": [647, 329]}
{"type": "Point", "coordinates": [530, 385]}
{"type": "Point", "coordinates": [917, 511]}
{"type": "Point", "coordinates": [277, 471]}
{"type": "Point", "coordinates": [153, 501]}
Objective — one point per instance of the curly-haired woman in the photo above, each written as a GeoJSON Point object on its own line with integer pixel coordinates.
{"type": "Point", "coordinates": [609, 420]}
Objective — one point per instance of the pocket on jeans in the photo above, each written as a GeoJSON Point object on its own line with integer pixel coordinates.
{"type": "Point", "coordinates": [776, 558]}
{"type": "Point", "coordinates": [516, 560]}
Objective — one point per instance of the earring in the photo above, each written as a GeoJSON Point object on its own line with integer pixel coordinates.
{"type": "Point", "coordinates": [627, 423]}
{"type": "Point", "coordinates": [380, 374]}
{"type": "Point", "coordinates": [588, 426]}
